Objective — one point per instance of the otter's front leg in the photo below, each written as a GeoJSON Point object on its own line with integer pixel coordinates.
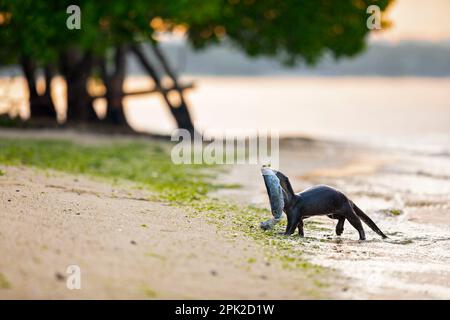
{"type": "Point", "coordinates": [293, 222]}
{"type": "Point", "coordinates": [300, 229]}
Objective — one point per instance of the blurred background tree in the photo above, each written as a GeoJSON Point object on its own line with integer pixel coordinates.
{"type": "Point", "coordinates": [34, 35]}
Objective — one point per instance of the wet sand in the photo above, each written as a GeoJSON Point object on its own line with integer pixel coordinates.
{"type": "Point", "coordinates": [407, 194]}
{"type": "Point", "coordinates": [127, 248]}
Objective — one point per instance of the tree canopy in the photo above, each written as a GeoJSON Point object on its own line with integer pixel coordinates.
{"type": "Point", "coordinates": [292, 31]}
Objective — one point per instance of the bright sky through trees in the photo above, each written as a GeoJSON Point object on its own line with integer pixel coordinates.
{"type": "Point", "coordinates": [417, 20]}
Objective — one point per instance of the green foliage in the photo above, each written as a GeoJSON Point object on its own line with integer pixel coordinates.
{"type": "Point", "coordinates": [146, 163]}
{"type": "Point", "coordinates": [291, 30]}
{"type": "Point", "coordinates": [7, 122]}
{"type": "Point", "coordinates": [392, 211]}
{"type": "Point", "coordinates": [246, 219]}
{"type": "Point", "coordinates": [33, 28]}
{"type": "Point", "coordinates": [149, 164]}
{"type": "Point", "coordinates": [4, 283]}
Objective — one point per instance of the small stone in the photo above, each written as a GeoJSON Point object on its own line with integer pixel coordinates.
{"type": "Point", "coordinates": [59, 276]}
{"type": "Point", "coordinates": [133, 242]}
{"type": "Point", "coordinates": [213, 273]}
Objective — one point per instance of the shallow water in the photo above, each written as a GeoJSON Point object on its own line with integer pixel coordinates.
{"type": "Point", "coordinates": [414, 262]}
{"type": "Point", "coordinates": [411, 113]}
{"type": "Point", "coordinates": [390, 110]}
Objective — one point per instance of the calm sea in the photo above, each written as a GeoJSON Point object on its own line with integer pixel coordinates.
{"type": "Point", "coordinates": [407, 112]}
{"type": "Point", "coordinates": [393, 111]}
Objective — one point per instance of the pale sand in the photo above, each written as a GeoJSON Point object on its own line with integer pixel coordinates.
{"type": "Point", "coordinates": [56, 220]}
{"type": "Point", "coordinates": [126, 246]}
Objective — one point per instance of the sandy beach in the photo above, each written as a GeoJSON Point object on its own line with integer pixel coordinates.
{"type": "Point", "coordinates": [130, 247]}
{"type": "Point", "coordinates": [145, 148]}
{"type": "Point", "coordinates": [126, 246]}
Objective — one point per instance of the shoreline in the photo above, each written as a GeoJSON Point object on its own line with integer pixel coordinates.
{"type": "Point", "coordinates": [410, 202]}
{"type": "Point", "coordinates": [379, 182]}
{"type": "Point", "coordinates": [129, 242]}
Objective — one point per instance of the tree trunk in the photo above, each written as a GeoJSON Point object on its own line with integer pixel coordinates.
{"type": "Point", "coordinates": [179, 112]}
{"type": "Point", "coordinates": [182, 109]}
{"type": "Point", "coordinates": [49, 74]}
{"type": "Point", "coordinates": [41, 106]}
{"type": "Point", "coordinates": [77, 69]}
{"type": "Point", "coordinates": [114, 88]}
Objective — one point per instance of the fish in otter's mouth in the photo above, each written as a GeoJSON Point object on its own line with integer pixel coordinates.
{"type": "Point", "coordinates": [275, 193]}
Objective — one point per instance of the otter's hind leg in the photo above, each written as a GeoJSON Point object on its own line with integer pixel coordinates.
{"type": "Point", "coordinates": [340, 226]}
{"type": "Point", "coordinates": [354, 220]}
{"type": "Point", "coordinates": [356, 223]}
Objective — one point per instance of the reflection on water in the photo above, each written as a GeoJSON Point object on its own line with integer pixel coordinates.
{"type": "Point", "coordinates": [395, 111]}
{"type": "Point", "coordinates": [324, 106]}
{"type": "Point", "coordinates": [409, 109]}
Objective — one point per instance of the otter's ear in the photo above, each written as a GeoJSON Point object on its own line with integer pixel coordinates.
{"type": "Point", "coordinates": [286, 185]}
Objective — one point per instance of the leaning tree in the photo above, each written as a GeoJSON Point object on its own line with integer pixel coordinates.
{"type": "Point", "coordinates": [33, 34]}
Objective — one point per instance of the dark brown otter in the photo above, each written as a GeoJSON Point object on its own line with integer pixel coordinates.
{"type": "Point", "coordinates": [322, 200]}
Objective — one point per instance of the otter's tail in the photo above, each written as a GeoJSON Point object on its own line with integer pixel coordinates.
{"type": "Point", "coordinates": [367, 220]}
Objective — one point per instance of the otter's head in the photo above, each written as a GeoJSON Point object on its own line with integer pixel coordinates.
{"type": "Point", "coordinates": [288, 192]}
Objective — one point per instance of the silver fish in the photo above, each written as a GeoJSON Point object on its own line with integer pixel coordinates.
{"type": "Point", "coordinates": [275, 193]}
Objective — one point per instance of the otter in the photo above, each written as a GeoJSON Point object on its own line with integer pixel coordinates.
{"type": "Point", "coordinates": [321, 200]}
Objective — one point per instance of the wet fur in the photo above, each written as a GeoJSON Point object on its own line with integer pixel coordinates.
{"type": "Point", "coordinates": [322, 200]}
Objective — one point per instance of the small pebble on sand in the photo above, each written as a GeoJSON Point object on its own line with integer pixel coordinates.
{"type": "Point", "coordinates": [59, 276]}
